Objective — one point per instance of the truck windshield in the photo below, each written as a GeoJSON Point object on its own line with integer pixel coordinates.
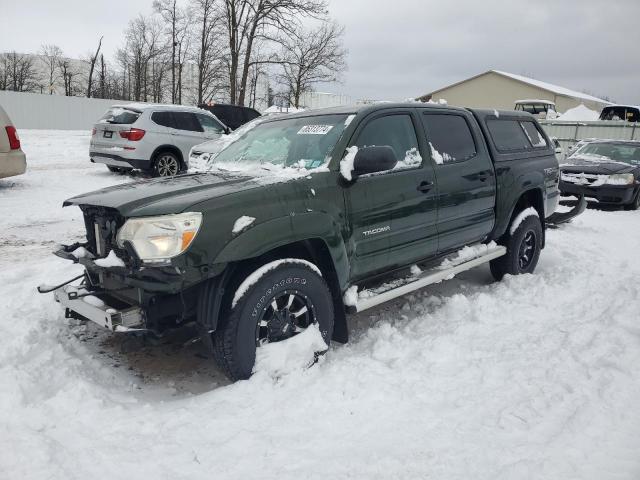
{"type": "Point", "coordinates": [611, 151]}
{"type": "Point", "coordinates": [287, 142]}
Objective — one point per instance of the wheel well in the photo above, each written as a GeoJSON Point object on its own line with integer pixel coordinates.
{"type": "Point", "coordinates": [313, 250]}
{"type": "Point", "coordinates": [167, 148]}
{"type": "Point", "coordinates": [530, 198]}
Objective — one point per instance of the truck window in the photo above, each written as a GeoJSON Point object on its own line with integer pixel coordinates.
{"type": "Point", "coordinates": [508, 135]}
{"type": "Point", "coordinates": [534, 135]}
{"type": "Point", "coordinates": [397, 132]}
{"type": "Point", "coordinates": [449, 137]}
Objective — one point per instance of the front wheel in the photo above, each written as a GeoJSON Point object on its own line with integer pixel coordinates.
{"type": "Point", "coordinates": [523, 249]}
{"type": "Point", "coordinates": [635, 204]}
{"type": "Point", "coordinates": [276, 302]}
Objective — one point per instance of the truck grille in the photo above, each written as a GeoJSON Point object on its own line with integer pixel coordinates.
{"type": "Point", "coordinates": [102, 225]}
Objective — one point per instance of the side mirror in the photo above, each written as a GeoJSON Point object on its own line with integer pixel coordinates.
{"type": "Point", "coordinates": [227, 130]}
{"type": "Point", "coordinates": [373, 160]}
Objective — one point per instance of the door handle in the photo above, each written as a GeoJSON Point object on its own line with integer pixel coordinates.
{"type": "Point", "coordinates": [424, 187]}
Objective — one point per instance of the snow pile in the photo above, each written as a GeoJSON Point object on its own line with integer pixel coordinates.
{"type": "Point", "coordinates": [346, 164]}
{"type": "Point", "coordinates": [579, 114]}
{"type": "Point", "coordinates": [111, 260]}
{"type": "Point", "coordinates": [438, 157]}
{"type": "Point", "coordinates": [242, 223]}
{"type": "Point", "coordinates": [81, 252]}
{"type": "Point", "coordinates": [294, 354]}
{"type": "Point", "coordinates": [94, 301]}
{"type": "Point", "coordinates": [412, 159]}
{"type": "Point", "coordinates": [350, 297]}
{"type": "Point", "coordinates": [467, 253]}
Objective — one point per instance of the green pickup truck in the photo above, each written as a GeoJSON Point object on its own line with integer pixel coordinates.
{"type": "Point", "coordinates": [305, 218]}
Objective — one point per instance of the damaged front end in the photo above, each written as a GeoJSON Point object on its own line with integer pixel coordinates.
{"type": "Point", "coordinates": [118, 291]}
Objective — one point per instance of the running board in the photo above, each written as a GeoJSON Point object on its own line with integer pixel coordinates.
{"type": "Point", "coordinates": [428, 277]}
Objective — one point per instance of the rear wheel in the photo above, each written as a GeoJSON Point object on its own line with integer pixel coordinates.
{"type": "Point", "coordinates": [523, 249]}
{"type": "Point", "coordinates": [167, 164]}
{"type": "Point", "coordinates": [278, 301]}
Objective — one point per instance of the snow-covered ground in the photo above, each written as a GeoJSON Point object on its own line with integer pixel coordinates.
{"type": "Point", "coordinates": [535, 377]}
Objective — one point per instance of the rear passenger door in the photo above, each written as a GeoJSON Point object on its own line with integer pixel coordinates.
{"type": "Point", "coordinates": [392, 214]}
{"type": "Point", "coordinates": [465, 178]}
{"type": "Point", "coordinates": [188, 132]}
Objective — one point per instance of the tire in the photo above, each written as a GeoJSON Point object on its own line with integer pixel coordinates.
{"type": "Point", "coordinates": [166, 164]}
{"type": "Point", "coordinates": [523, 250]}
{"type": "Point", "coordinates": [635, 205]}
{"type": "Point", "coordinates": [295, 286]}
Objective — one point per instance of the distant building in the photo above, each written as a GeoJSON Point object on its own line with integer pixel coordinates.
{"type": "Point", "coordinates": [500, 90]}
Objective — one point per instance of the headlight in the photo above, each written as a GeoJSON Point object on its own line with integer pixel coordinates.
{"type": "Point", "coordinates": [157, 239]}
{"type": "Point", "coordinates": [620, 179]}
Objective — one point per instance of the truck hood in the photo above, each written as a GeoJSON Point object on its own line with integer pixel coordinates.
{"type": "Point", "coordinates": [166, 195]}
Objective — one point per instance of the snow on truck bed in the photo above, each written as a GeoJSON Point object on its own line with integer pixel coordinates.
{"type": "Point", "coordinates": [533, 377]}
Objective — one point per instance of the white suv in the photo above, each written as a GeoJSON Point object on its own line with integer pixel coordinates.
{"type": "Point", "coordinates": [12, 158]}
{"type": "Point", "coordinates": [154, 138]}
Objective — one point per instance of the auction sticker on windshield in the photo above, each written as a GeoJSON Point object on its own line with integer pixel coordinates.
{"type": "Point", "coordinates": [315, 130]}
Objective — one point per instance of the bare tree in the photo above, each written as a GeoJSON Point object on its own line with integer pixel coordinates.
{"type": "Point", "coordinates": [312, 57]}
{"type": "Point", "coordinates": [51, 55]}
{"type": "Point", "coordinates": [207, 49]}
{"type": "Point", "coordinates": [92, 64]}
{"type": "Point", "coordinates": [19, 72]}
{"type": "Point", "coordinates": [247, 22]}
{"type": "Point", "coordinates": [68, 75]}
{"type": "Point", "coordinates": [177, 22]}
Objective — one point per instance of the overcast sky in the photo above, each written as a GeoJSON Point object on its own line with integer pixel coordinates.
{"type": "Point", "coordinates": [404, 48]}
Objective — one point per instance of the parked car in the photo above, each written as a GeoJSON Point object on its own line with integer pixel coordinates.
{"type": "Point", "coordinates": [306, 217]}
{"type": "Point", "coordinates": [605, 170]}
{"type": "Point", "coordinates": [541, 109]}
{"type": "Point", "coordinates": [578, 145]}
{"type": "Point", "coordinates": [625, 113]}
{"type": "Point", "coordinates": [232, 116]}
{"type": "Point", "coordinates": [153, 138]}
{"type": "Point", "coordinates": [12, 158]}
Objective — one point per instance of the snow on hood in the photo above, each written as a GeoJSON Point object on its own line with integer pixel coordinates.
{"type": "Point", "coordinates": [294, 354]}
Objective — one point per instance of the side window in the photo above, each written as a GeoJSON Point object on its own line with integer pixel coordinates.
{"type": "Point", "coordinates": [187, 121]}
{"type": "Point", "coordinates": [508, 135]}
{"type": "Point", "coordinates": [449, 137]}
{"type": "Point", "coordinates": [534, 135]}
{"type": "Point", "coordinates": [397, 132]}
{"type": "Point", "coordinates": [210, 124]}
{"type": "Point", "coordinates": [164, 119]}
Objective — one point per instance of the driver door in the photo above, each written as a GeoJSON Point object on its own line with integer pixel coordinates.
{"type": "Point", "coordinates": [392, 215]}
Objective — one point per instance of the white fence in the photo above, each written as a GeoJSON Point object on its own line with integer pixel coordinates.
{"type": "Point", "coordinates": [569, 133]}
{"type": "Point", "coordinates": [55, 112]}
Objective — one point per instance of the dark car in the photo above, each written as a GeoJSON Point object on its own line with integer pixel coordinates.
{"type": "Point", "coordinates": [233, 116]}
{"type": "Point", "coordinates": [605, 170]}
{"type": "Point", "coordinates": [629, 113]}
{"type": "Point", "coordinates": [309, 216]}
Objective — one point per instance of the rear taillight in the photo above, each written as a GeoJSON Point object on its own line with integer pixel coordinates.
{"type": "Point", "coordinates": [14, 140]}
{"type": "Point", "coordinates": [133, 134]}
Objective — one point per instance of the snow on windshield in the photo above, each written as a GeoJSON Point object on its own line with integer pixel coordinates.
{"type": "Point", "coordinates": [282, 145]}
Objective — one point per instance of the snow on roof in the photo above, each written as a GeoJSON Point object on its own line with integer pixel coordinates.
{"type": "Point", "coordinates": [144, 106]}
{"type": "Point", "coordinates": [277, 109]}
{"type": "Point", "coordinates": [550, 87]}
{"type": "Point", "coordinates": [546, 102]}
